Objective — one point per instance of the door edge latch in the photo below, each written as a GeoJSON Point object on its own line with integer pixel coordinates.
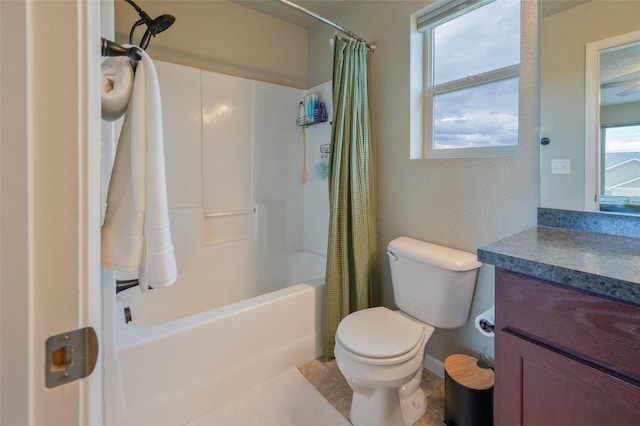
{"type": "Point", "coordinates": [70, 356]}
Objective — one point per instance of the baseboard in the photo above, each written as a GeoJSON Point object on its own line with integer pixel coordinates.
{"type": "Point", "coordinates": [434, 365]}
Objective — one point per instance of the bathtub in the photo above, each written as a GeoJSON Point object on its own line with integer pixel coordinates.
{"type": "Point", "coordinates": [173, 372]}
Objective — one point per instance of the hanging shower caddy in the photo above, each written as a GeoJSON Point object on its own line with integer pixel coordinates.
{"type": "Point", "coordinates": [312, 111]}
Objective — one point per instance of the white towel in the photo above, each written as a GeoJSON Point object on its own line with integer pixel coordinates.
{"type": "Point", "coordinates": [136, 232]}
{"type": "Point", "coordinates": [116, 86]}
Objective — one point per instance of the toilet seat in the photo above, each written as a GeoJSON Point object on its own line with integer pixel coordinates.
{"type": "Point", "coordinates": [380, 336]}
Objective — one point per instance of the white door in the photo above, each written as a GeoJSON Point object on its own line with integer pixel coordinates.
{"type": "Point", "coordinates": [50, 205]}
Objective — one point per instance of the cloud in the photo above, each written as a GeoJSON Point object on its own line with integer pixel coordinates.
{"type": "Point", "coordinates": [485, 39]}
{"type": "Point", "coordinates": [623, 139]}
{"type": "Point", "coordinates": [483, 115]}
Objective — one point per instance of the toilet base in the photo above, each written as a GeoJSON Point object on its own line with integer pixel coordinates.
{"type": "Point", "coordinates": [413, 400]}
{"type": "Point", "coordinates": [414, 407]}
{"type": "Point", "coordinates": [376, 407]}
{"type": "Point", "coordinates": [387, 407]}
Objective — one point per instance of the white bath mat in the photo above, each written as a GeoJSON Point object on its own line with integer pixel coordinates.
{"type": "Point", "coordinates": [286, 400]}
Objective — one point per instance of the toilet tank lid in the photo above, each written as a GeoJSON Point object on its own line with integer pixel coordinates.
{"type": "Point", "coordinates": [433, 254]}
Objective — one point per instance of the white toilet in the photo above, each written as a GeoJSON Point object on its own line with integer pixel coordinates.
{"type": "Point", "coordinates": [380, 352]}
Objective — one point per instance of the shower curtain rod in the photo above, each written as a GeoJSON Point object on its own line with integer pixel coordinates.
{"type": "Point", "coordinates": [371, 46]}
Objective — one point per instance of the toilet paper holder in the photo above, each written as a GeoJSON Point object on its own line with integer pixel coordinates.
{"type": "Point", "coordinates": [486, 326]}
{"type": "Point", "coordinates": [485, 322]}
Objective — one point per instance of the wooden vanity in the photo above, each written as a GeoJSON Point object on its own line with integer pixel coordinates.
{"type": "Point", "coordinates": [564, 357]}
{"type": "Point", "coordinates": [567, 328]}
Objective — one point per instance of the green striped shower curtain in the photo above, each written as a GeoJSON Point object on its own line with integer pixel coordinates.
{"type": "Point", "coordinates": [351, 250]}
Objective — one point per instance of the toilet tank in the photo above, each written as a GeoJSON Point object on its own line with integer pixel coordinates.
{"type": "Point", "coordinates": [432, 283]}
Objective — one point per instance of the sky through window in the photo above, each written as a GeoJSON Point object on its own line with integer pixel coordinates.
{"type": "Point", "coordinates": [481, 41]}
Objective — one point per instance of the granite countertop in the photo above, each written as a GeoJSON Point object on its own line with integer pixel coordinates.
{"type": "Point", "coordinates": [604, 264]}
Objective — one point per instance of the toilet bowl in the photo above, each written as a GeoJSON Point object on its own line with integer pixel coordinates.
{"type": "Point", "coordinates": [380, 352]}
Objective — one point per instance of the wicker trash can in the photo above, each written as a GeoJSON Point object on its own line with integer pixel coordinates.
{"type": "Point", "coordinates": [468, 392]}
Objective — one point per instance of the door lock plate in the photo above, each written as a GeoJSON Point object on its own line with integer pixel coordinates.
{"type": "Point", "coordinates": [70, 356]}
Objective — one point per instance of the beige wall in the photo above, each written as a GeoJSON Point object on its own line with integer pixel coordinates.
{"type": "Point", "coordinates": [223, 37]}
{"type": "Point", "coordinates": [461, 203]}
{"type": "Point", "coordinates": [563, 40]}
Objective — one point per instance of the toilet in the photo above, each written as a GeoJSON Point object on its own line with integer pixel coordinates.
{"type": "Point", "coordinates": [380, 352]}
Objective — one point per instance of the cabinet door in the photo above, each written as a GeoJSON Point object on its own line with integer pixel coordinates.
{"type": "Point", "coordinates": [536, 385]}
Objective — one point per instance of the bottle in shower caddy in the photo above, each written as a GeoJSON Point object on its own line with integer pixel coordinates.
{"type": "Point", "coordinates": [318, 112]}
{"type": "Point", "coordinates": [310, 105]}
{"type": "Point", "coordinates": [305, 105]}
{"type": "Point", "coordinates": [316, 105]}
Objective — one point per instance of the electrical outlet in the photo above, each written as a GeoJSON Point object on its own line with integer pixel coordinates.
{"type": "Point", "coordinates": [560, 167]}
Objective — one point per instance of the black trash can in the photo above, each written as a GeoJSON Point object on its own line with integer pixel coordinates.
{"type": "Point", "coordinates": [468, 392]}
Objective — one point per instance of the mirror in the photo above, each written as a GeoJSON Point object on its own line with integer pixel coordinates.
{"type": "Point", "coordinates": [568, 165]}
{"type": "Point", "coordinates": [612, 106]}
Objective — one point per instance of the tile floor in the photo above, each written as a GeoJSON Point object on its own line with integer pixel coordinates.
{"type": "Point", "coordinates": [326, 377]}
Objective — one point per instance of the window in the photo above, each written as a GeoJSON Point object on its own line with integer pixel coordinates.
{"type": "Point", "coordinates": [471, 78]}
{"type": "Point", "coordinates": [620, 168]}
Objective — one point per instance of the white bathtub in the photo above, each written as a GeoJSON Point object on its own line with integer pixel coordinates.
{"type": "Point", "coordinates": [174, 372]}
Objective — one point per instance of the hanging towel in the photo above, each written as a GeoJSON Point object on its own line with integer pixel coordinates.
{"type": "Point", "coordinates": [136, 234]}
{"type": "Point", "coordinates": [116, 86]}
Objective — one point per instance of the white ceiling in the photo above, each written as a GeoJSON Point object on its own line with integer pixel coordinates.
{"type": "Point", "coordinates": [620, 75]}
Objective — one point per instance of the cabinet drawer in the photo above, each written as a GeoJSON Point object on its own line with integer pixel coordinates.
{"type": "Point", "coordinates": [592, 328]}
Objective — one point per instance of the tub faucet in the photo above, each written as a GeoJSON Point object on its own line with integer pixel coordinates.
{"type": "Point", "coordinates": [122, 285]}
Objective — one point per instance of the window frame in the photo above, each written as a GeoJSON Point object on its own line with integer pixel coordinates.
{"type": "Point", "coordinates": [613, 203]}
{"type": "Point", "coordinates": [431, 90]}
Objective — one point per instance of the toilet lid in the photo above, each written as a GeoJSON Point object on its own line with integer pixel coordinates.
{"type": "Point", "coordinates": [378, 333]}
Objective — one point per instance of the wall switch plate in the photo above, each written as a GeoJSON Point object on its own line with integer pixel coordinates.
{"type": "Point", "coordinates": [560, 167]}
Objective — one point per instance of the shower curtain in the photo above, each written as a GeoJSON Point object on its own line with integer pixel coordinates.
{"type": "Point", "coordinates": [351, 251]}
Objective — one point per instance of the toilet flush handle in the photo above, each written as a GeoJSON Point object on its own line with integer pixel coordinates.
{"type": "Point", "coordinates": [395, 258]}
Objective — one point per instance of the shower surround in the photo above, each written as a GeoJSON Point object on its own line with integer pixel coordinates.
{"type": "Point", "coordinates": [250, 242]}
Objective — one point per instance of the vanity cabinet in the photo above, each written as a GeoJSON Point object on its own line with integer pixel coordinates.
{"type": "Point", "coordinates": [564, 356]}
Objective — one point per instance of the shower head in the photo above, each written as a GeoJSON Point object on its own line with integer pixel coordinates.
{"type": "Point", "coordinates": [161, 23]}
{"type": "Point", "coordinates": [154, 26]}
